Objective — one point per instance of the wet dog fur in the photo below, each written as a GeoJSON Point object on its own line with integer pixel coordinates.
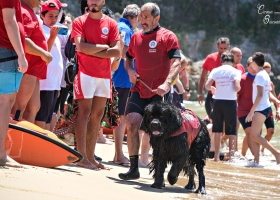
{"type": "Point", "coordinates": [160, 121]}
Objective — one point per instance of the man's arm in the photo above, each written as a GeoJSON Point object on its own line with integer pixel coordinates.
{"type": "Point", "coordinates": [89, 49]}
{"type": "Point", "coordinates": [236, 84]}
{"type": "Point", "coordinates": [173, 73]}
{"type": "Point", "coordinates": [129, 65]}
{"type": "Point", "coordinates": [35, 50]}
{"type": "Point", "coordinates": [201, 84]}
{"type": "Point", "coordinates": [258, 99]}
{"type": "Point", "coordinates": [113, 51]}
{"type": "Point", "coordinates": [208, 84]}
{"type": "Point", "coordinates": [11, 26]}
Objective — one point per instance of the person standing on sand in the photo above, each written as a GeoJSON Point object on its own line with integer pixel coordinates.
{"type": "Point", "coordinates": [157, 54]}
{"type": "Point", "coordinates": [261, 108]}
{"type": "Point", "coordinates": [12, 66]}
{"type": "Point", "coordinates": [37, 55]}
{"type": "Point", "coordinates": [128, 22]}
{"type": "Point", "coordinates": [92, 83]}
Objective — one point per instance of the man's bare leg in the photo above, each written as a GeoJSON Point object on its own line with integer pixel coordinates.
{"type": "Point", "coordinates": [81, 131]}
{"type": "Point", "coordinates": [217, 139]}
{"type": "Point", "coordinates": [145, 147]}
{"type": "Point", "coordinates": [93, 126]}
{"type": "Point", "coordinates": [41, 124]}
{"type": "Point", "coordinates": [6, 103]}
{"type": "Point", "coordinates": [133, 121]}
{"type": "Point", "coordinates": [33, 104]}
{"type": "Point", "coordinates": [118, 137]}
{"type": "Point", "coordinates": [26, 89]}
{"type": "Point", "coordinates": [232, 143]}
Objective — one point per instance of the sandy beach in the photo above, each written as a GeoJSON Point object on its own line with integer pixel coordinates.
{"type": "Point", "coordinates": [223, 181]}
{"type": "Point", "coordinates": [71, 182]}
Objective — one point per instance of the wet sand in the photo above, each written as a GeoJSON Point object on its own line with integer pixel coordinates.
{"type": "Point", "coordinates": [223, 181]}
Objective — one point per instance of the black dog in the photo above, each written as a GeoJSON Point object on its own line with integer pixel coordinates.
{"type": "Point", "coordinates": [161, 121]}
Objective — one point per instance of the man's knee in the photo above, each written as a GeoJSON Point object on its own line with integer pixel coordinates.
{"type": "Point", "coordinates": [133, 120]}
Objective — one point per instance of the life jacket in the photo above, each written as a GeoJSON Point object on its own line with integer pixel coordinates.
{"type": "Point", "coordinates": [190, 124]}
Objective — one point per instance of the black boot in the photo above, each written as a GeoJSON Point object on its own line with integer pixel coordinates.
{"type": "Point", "coordinates": [133, 172]}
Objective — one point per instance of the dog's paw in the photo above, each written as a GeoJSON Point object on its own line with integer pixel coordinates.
{"type": "Point", "coordinates": [190, 186]}
{"type": "Point", "coordinates": [158, 185]}
{"type": "Point", "coordinates": [171, 179]}
{"type": "Point", "coordinates": [201, 190]}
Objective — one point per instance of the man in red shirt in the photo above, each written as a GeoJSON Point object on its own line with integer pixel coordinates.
{"type": "Point", "coordinates": [157, 55]}
{"type": "Point", "coordinates": [237, 53]}
{"type": "Point", "coordinates": [12, 64]}
{"type": "Point", "coordinates": [37, 55]}
{"type": "Point", "coordinates": [212, 61]}
{"type": "Point", "coordinates": [97, 40]}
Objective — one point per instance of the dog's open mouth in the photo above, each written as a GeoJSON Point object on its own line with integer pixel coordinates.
{"type": "Point", "coordinates": [156, 133]}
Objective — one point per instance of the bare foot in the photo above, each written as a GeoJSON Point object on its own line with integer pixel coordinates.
{"type": "Point", "coordinates": [98, 165]}
{"type": "Point", "coordinates": [103, 140]}
{"type": "Point", "coordinates": [123, 161]}
{"type": "Point", "coordinates": [141, 164]}
{"type": "Point", "coordinates": [87, 164]}
{"type": "Point", "coordinates": [9, 162]}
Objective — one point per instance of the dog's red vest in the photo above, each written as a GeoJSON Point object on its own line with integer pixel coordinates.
{"type": "Point", "coordinates": [190, 124]}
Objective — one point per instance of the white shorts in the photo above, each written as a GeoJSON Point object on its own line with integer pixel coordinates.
{"type": "Point", "coordinates": [87, 87]}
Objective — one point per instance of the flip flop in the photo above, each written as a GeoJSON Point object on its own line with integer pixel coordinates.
{"type": "Point", "coordinates": [124, 164]}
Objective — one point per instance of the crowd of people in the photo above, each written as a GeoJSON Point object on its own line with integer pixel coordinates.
{"type": "Point", "coordinates": [141, 59]}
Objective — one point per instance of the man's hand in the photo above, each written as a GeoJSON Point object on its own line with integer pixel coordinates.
{"type": "Point", "coordinates": [162, 89]}
{"type": "Point", "coordinates": [22, 64]}
{"type": "Point", "coordinates": [133, 76]}
{"type": "Point", "coordinates": [47, 57]}
{"type": "Point", "coordinates": [200, 99]}
{"type": "Point", "coordinates": [187, 95]}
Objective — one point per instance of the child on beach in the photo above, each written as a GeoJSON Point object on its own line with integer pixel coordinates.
{"type": "Point", "coordinates": [50, 87]}
{"type": "Point", "coordinates": [261, 108]}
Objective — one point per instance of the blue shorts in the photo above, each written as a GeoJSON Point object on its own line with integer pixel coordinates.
{"type": "Point", "coordinates": [9, 76]}
{"type": "Point", "coordinates": [265, 112]}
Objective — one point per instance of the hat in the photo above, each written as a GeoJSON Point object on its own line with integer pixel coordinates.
{"type": "Point", "coordinates": [49, 5]}
{"type": "Point", "coordinates": [60, 5]}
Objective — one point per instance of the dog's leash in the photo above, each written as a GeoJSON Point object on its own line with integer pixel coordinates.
{"type": "Point", "coordinates": [163, 99]}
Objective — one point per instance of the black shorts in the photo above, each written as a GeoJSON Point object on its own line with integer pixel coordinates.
{"type": "Point", "coordinates": [48, 100]}
{"type": "Point", "coordinates": [209, 105]}
{"type": "Point", "coordinates": [244, 123]}
{"type": "Point", "coordinates": [224, 111]}
{"type": "Point", "coordinates": [123, 95]}
{"type": "Point", "coordinates": [269, 122]}
{"type": "Point", "coordinates": [137, 104]}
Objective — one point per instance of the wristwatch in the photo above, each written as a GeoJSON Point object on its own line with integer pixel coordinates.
{"type": "Point", "coordinates": [187, 89]}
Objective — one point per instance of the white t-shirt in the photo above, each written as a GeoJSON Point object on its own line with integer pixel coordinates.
{"type": "Point", "coordinates": [224, 77]}
{"type": "Point", "coordinates": [262, 79]}
{"type": "Point", "coordinates": [63, 41]}
{"type": "Point", "coordinates": [55, 67]}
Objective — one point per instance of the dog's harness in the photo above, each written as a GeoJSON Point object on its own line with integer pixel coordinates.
{"type": "Point", "coordinates": [190, 124]}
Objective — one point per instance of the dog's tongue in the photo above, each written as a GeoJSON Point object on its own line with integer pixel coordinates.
{"type": "Point", "coordinates": [156, 132]}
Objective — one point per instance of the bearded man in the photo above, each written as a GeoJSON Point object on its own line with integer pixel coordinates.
{"type": "Point", "coordinates": [97, 40]}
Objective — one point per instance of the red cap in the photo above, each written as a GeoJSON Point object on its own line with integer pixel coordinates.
{"type": "Point", "coordinates": [60, 5]}
{"type": "Point", "coordinates": [49, 5]}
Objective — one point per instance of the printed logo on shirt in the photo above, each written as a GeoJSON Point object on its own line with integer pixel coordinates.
{"type": "Point", "coordinates": [153, 44]}
{"type": "Point", "coordinates": [105, 31]}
